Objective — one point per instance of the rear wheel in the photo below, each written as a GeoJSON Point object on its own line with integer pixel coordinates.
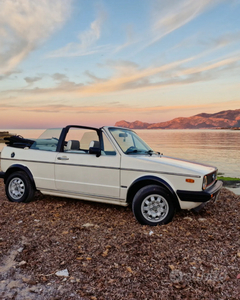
{"type": "Point", "coordinates": [19, 188]}
{"type": "Point", "coordinates": [152, 205]}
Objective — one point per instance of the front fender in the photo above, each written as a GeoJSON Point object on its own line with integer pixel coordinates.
{"type": "Point", "coordinates": [147, 180]}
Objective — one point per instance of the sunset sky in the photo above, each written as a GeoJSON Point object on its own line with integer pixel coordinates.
{"type": "Point", "coordinates": [97, 62]}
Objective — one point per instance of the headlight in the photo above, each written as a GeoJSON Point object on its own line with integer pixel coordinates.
{"type": "Point", "coordinates": [204, 185]}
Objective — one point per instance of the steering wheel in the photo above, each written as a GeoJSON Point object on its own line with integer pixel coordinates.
{"type": "Point", "coordinates": [131, 149]}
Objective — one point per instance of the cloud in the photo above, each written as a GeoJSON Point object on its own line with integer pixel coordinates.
{"type": "Point", "coordinates": [223, 40]}
{"type": "Point", "coordinates": [9, 74]}
{"type": "Point", "coordinates": [87, 41]}
{"type": "Point", "coordinates": [93, 77]}
{"type": "Point", "coordinates": [170, 15]}
{"type": "Point", "coordinates": [131, 39]}
{"type": "Point", "coordinates": [31, 80]}
{"type": "Point", "coordinates": [128, 77]}
{"type": "Point", "coordinates": [59, 77]}
{"type": "Point", "coordinates": [121, 109]}
{"type": "Point", "coordinates": [25, 25]}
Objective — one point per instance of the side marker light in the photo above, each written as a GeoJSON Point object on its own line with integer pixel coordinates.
{"type": "Point", "coordinates": [190, 180]}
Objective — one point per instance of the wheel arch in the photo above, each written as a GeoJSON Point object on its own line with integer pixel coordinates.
{"type": "Point", "coordinates": [150, 180]}
{"type": "Point", "coordinates": [18, 167]}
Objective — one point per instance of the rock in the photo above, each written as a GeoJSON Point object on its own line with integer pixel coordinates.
{"type": "Point", "coordinates": [25, 279]}
{"type": "Point", "coordinates": [129, 269]}
{"type": "Point", "coordinates": [105, 253]}
{"type": "Point", "coordinates": [202, 220]}
{"type": "Point", "coordinates": [13, 284]}
{"type": "Point", "coordinates": [188, 218]}
{"type": "Point", "coordinates": [22, 263]}
{"type": "Point", "coordinates": [62, 273]}
{"type": "Point", "coordinates": [88, 225]}
{"type": "Point", "coordinates": [35, 289]}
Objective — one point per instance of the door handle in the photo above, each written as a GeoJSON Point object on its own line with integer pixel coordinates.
{"type": "Point", "coordinates": [63, 158]}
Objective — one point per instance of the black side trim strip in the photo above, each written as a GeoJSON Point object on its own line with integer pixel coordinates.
{"type": "Point", "coordinates": [2, 174]}
{"type": "Point", "coordinates": [111, 168]}
{"type": "Point", "coordinates": [25, 160]}
{"type": "Point", "coordinates": [88, 166]}
{"type": "Point", "coordinates": [203, 196]}
{"type": "Point", "coordinates": [157, 172]}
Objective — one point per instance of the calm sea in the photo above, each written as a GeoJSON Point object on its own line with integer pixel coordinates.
{"type": "Point", "coordinates": [220, 148]}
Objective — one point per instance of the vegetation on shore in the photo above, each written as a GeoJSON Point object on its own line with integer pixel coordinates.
{"type": "Point", "coordinates": [223, 178]}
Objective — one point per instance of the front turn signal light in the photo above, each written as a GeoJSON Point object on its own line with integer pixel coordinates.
{"type": "Point", "coordinates": [190, 180]}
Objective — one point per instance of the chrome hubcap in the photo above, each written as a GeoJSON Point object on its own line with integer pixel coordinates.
{"type": "Point", "coordinates": [16, 188]}
{"type": "Point", "coordinates": [154, 208]}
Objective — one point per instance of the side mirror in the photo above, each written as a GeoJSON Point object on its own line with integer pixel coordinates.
{"type": "Point", "coordinates": [94, 150]}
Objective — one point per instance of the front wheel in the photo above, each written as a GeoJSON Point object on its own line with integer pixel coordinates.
{"type": "Point", "coordinates": [19, 188]}
{"type": "Point", "coordinates": [152, 205]}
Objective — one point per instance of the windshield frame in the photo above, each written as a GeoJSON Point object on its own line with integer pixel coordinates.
{"type": "Point", "coordinates": [135, 139]}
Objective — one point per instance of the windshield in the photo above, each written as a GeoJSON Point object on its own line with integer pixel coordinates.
{"type": "Point", "coordinates": [51, 133]}
{"type": "Point", "coordinates": [48, 140]}
{"type": "Point", "coordinates": [129, 141]}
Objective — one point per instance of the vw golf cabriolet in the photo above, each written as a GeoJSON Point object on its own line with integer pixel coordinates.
{"type": "Point", "coordinates": [109, 164]}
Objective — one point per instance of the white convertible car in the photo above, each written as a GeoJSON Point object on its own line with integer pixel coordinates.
{"type": "Point", "coordinates": [109, 164]}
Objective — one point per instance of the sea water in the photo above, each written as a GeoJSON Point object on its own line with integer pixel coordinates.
{"type": "Point", "coordinates": [220, 148]}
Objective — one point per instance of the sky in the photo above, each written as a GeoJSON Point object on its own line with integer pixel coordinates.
{"type": "Point", "coordinates": [98, 62]}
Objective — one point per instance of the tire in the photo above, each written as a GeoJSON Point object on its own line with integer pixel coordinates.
{"type": "Point", "coordinates": [19, 188]}
{"type": "Point", "coordinates": [152, 205]}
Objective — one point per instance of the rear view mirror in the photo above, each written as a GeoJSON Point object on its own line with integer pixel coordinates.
{"type": "Point", "coordinates": [124, 135]}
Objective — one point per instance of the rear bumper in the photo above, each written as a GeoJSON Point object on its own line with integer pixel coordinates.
{"type": "Point", "coordinates": [202, 196]}
{"type": "Point", "coordinates": [2, 174]}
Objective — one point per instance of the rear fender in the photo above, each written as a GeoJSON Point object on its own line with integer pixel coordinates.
{"type": "Point", "coordinates": [17, 167]}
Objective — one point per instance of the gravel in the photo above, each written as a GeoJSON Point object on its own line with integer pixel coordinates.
{"type": "Point", "coordinates": [58, 248]}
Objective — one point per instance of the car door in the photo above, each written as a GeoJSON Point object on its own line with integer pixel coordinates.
{"type": "Point", "coordinates": [82, 174]}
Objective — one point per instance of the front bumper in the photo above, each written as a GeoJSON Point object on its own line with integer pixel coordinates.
{"type": "Point", "coordinates": [2, 174]}
{"type": "Point", "coordinates": [202, 196]}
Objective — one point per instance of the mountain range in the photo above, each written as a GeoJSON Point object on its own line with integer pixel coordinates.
{"type": "Point", "coordinates": [222, 119]}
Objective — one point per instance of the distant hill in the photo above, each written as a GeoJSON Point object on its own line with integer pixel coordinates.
{"type": "Point", "coordinates": [222, 119]}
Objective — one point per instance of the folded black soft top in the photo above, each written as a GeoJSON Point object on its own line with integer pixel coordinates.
{"type": "Point", "coordinates": [18, 141]}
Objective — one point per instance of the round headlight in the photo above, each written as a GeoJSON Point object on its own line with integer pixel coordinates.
{"type": "Point", "coordinates": [204, 182]}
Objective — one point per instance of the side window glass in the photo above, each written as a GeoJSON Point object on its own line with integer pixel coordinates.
{"type": "Point", "coordinates": [107, 146]}
{"type": "Point", "coordinates": [78, 140]}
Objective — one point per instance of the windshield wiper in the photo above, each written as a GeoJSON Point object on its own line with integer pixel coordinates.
{"type": "Point", "coordinates": [150, 152]}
